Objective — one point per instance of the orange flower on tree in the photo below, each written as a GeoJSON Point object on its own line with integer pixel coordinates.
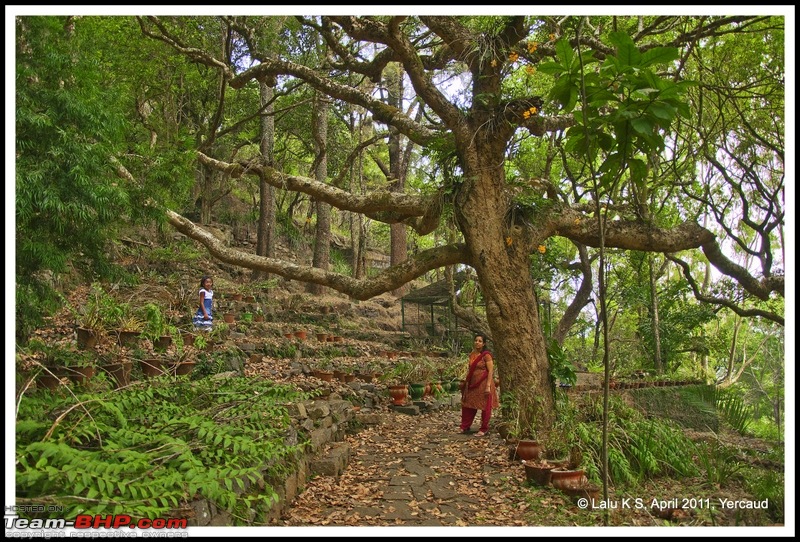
{"type": "Point", "coordinates": [532, 46]}
{"type": "Point", "coordinates": [530, 112]}
{"type": "Point", "coordinates": [542, 249]}
{"type": "Point", "coordinates": [530, 69]}
{"type": "Point", "coordinates": [513, 56]}
{"type": "Point", "coordinates": [509, 241]}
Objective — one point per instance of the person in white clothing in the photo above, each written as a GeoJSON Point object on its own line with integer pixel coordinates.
{"type": "Point", "coordinates": [203, 317]}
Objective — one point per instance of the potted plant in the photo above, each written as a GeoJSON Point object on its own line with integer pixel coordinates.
{"type": "Point", "coordinates": [201, 342]}
{"type": "Point", "coordinates": [258, 313]}
{"type": "Point", "coordinates": [155, 327]}
{"type": "Point", "coordinates": [571, 475]}
{"type": "Point", "coordinates": [116, 364]}
{"type": "Point", "coordinates": [51, 373]}
{"type": "Point", "coordinates": [90, 322]}
{"type": "Point", "coordinates": [219, 333]}
{"type": "Point", "coordinates": [129, 327]}
{"type": "Point", "coordinates": [79, 364]}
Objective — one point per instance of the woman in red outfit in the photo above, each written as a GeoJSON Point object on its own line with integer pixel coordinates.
{"type": "Point", "coordinates": [479, 392]}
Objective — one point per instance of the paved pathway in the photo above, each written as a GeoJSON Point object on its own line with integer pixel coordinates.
{"type": "Point", "coordinates": [415, 470]}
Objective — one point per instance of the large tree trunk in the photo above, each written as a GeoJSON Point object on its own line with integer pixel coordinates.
{"type": "Point", "coordinates": [500, 255]}
{"type": "Point", "coordinates": [322, 239]}
{"type": "Point", "coordinates": [265, 245]}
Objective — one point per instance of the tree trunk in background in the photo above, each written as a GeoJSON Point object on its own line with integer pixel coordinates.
{"type": "Point", "coordinates": [206, 196]}
{"type": "Point", "coordinates": [654, 316]}
{"type": "Point", "coordinates": [322, 238]}
{"type": "Point", "coordinates": [397, 172]}
{"type": "Point", "coordinates": [358, 233]}
{"type": "Point", "coordinates": [732, 352]}
{"type": "Point", "coordinates": [581, 299]}
{"type": "Point", "coordinates": [265, 245]}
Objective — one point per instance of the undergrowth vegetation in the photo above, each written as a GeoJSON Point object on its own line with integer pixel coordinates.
{"type": "Point", "coordinates": [643, 445]}
{"type": "Point", "coordinates": [146, 451]}
{"type": "Point", "coordinates": [639, 447]}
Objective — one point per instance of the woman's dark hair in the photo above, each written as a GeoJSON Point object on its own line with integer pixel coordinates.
{"type": "Point", "coordinates": [485, 340]}
{"type": "Point", "coordinates": [203, 280]}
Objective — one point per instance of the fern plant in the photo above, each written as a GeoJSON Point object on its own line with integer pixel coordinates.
{"type": "Point", "coordinates": [147, 451]}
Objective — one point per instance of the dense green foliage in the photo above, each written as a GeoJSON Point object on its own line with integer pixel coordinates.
{"type": "Point", "coordinates": [147, 450]}
{"type": "Point", "coordinates": [68, 203]}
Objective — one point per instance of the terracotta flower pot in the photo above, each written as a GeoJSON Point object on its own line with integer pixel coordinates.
{"type": "Point", "coordinates": [162, 343]}
{"type": "Point", "coordinates": [583, 491]}
{"type": "Point", "coordinates": [398, 394]}
{"type": "Point", "coordinates": [184, 368]}
{"type": "Point", "coordinates": [152, 367]}
{"type": "Point", "coordinates": [539, 473]}
{"type": "Point", "coordinates": [87, 338]}
{"type": "Point", "coordinates": [529, 450]}
{"type": "Point", "coordinates": [301, 335]}
{"type": "Point", "coordinates": [562, 478]}
{"type": "Point", "coordinates": [120, 371]}
{"type": "Point", "coordinates": [50, 380]}
{"type": "Point", "coordinates": [229, 318]}
{"type": "Point", "coordinates": [81, 375]}
{"type": "Point", "coordinates": [127, 338]}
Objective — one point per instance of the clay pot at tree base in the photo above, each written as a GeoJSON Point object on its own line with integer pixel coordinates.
{"type": "Point", "coordinates": [529, 450]}
{"type": "Point", "coordinates": [539, 473]}
{"type": "Point", "coordinates": [562, 478]}
{"type": "Point", "coordinates": [229, 318]}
